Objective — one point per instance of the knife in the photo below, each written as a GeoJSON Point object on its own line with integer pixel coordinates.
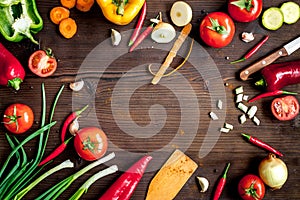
{"type": "Point", "coordinates": [286, 50]}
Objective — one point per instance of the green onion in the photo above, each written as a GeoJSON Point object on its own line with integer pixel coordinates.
{"type": "Point", "coordinates": [65, 164]}
{"type": "Point", "coordinates": [20, 176]}
{"type": "Point", "coordinates": [55, 191]}
{"type": "Point", "coordinates": [30, 137]}
{"type": "Point", "coordinates": [84, 188]}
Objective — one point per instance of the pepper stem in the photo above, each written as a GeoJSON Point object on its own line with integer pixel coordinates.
{"type": "Point", "coordinates": [246, 136]}
{"type": "Point", "coordinates": [226, 170]}
{"type": "Point", "coordinates": [237, 61]}
{"type": "Point", "coordinates": [78, 112]}
{"type": "Point", "coordinates": [15, 83]}
{"type": "Point", "coordinates": [261, 82]}
{"type": "Point", "coordinates": [287, 92]}
{"type": "Point", "coordinates": [215, 26]}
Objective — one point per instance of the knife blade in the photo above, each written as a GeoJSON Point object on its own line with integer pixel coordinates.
{"type": "Point", "coordinates": [286, 50]}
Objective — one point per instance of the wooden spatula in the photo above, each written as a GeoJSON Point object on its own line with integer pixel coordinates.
{"type": "Point", "coordinates": [171, 177]}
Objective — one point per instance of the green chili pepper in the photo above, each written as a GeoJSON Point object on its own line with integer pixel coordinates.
{"type": "Point", "coordinates": [19, 19]}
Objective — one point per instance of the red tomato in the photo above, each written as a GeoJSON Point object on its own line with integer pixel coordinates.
{"type": "Point", "coordinates": [18, 118]}
{"type": "Point", "coordinates": [251, 187]}
{"type": "Point", "coordinates": [244, 10]}
{"type": "Point", "coordinates": [217, 29]}
{"type": "Point", "coordinates": [42, 63]}
{"type": "Point", "coordinates": [90, 143]}
{"type": "Point", "coordinates": [285, 108]}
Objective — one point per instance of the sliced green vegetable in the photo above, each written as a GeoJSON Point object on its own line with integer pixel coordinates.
{"type": "Point", "coordinates": [272, 18]}
{"type": "Point", "coordinates": [65, 164]}
{"type": "Point", "coordinates": [55, 191]}
{"type": "Point", "coordinates": [84, 188]}
{"type": "Point", "coordinates": [291, 12]}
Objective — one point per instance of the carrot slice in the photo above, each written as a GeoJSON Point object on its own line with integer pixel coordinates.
{"type": "Point", "coordinates": [59, 13]}
{"type": "Point", "coordinates": [68, 3]}
{"type": "Point", "coordinates": [84, 5]}
{"type": "Point", "coordinates": [68, 27]}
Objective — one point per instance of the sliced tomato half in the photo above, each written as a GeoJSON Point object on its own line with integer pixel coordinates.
{"type": "Point", "coordinates": [285, 108]}
{"type": "Point", "coordinates": [42, 63]}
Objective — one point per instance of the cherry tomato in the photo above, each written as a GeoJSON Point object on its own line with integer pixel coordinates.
{"type": "Point", "coordinates": [244, 10]}
{"type": "Point", "coordinates": [217, 29]}
{"type": "Point", "coordinates": [251, 187]}
{"type": "Point", "coordinates": [90, 143]}
{"type": "Point", "coordinates": [42, 63]}
{"type": "Point", "coordinates": [285, 108]}
{"type": "Point", "coordinates": [18, 118]}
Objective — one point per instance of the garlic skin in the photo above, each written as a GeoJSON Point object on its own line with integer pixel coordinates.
{"type": "Point", "coordinates": [203, 182]}
{"type": "Point", "coordinates": [115, 37]}
{"type": "Point", "coordinates": [247, 37]}
{"type": "Point", "coordinates": [77, 86]}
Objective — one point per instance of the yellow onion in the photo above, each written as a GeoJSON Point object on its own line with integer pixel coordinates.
{"type": "Point", "coordinates": [273, 171]}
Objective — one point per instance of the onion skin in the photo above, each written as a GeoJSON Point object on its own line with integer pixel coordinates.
{"type": "Point", "coordinates": [273, 171]}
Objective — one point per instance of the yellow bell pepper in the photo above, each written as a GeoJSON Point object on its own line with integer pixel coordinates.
{"type": "Point", "coordinates": [120, 12]}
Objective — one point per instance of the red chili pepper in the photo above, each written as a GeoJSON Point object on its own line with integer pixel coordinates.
{"type": "Point", "coordinates": [56, 152]}
{"type": "Point", "coordinates": [139, 25]}
{"type": "Point", "coordinates": [271, 94]}
{"type": "Point", "coordinates": [261, 144]}
{"type": "Point", "coordinates": [252, 51]}
{"type": "Point", "coordinates": [142, 36]}
{"type": "Point", "coordinates": [277, 76]}
{"type": "Point", "coordinates": [12, 72]}
{"type": "Point", "coordinates": [125, 185]}
{"type": "Point", "coordinates": [221, 184]}
{"type": "Point", "coordinates": [69, 120]}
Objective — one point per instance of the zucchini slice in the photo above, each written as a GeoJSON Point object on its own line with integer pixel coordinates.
{"type": "Point", "coordinates": [291, 12]}
{"type": "Point", "coordinates": [272, 18]}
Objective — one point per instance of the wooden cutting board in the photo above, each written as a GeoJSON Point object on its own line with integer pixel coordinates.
{"type": "Point", "coordinates": [171, 177]}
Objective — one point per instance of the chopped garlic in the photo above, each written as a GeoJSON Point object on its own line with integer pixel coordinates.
{"type": "Point", "coordinates": [242, 107]}
{"type": "Point", "coordinates": [220, 104]}
{"type": "Point", "coordinates": [251, 112]}
{"type": "Point", "coordinates": [239, 98]}
{"type": "Point", "coordinates": [224, 130]}
{"type": "Point", "coordinates": [243, 119]}
{"type": "Point", "coordinates": [213, 116]}
{"type": "Point", "coordinates": [256, 121]}
{"type": "Point", "coordinates": [245, 98]}
{"type": "Point", "coordinates": [239, 90]}
{"type": "Point", "coordinates": [228, 126]}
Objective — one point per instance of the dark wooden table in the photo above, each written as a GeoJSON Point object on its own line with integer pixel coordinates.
{"type": "Point", "coordinates": [125, 105]}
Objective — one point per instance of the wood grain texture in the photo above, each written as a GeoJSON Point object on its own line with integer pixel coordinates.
{"type": "Point", "coordinates": [159, 108]}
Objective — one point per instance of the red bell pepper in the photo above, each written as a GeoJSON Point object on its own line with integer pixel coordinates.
{"type": "Point", "coordinates": [279, 75]}
{"type": "Point", "coordinates": [125, 185]}
{"type": "Point", "coordinates": [12, 72]}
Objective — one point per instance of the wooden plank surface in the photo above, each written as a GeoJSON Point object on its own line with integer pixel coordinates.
{"type": "Point", "coordinates": [140, 118]}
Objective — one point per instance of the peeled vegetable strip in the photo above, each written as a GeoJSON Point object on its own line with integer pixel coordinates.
{"type": "Point", "coordinates": [178, 43]}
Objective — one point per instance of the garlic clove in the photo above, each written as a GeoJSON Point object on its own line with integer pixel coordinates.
{"type": "Point", "coordinates": [247, 37]}
{"type": "Point", "coordinates": [203, 182]}
{"type": "Point", "coordinates": [76, 86]}
{"type": "Point", "coordinates": [115, 37]}
{"type": "Point", "coordinates": [74, 127]}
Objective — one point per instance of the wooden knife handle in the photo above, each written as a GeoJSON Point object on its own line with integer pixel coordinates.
{"type": "Point", "coordinates": [262, 63]}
